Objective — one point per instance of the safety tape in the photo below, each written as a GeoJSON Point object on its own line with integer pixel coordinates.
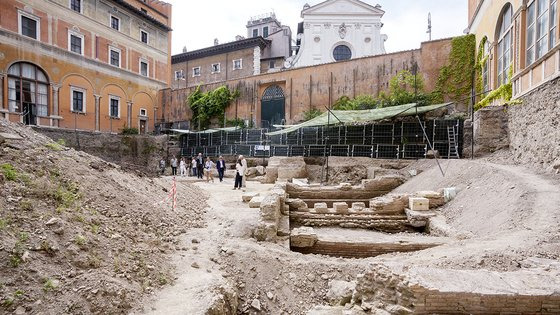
{"type": "Point", "coordinates": [171, 196]}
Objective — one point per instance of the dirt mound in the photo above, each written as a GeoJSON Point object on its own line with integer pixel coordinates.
{"type": "Point", "coordinates": [77, 234]}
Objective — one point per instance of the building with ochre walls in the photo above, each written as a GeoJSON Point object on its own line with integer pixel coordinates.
{"type": "Point", "coordinates": [518, 41]}
{"type": "Point", "coordinates": [92, 65]}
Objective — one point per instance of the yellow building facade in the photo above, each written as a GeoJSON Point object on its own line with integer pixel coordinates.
{"type": "Point", "coordinates": [518, 42]}
{"type": "Point", "coordinates": [92, 65]}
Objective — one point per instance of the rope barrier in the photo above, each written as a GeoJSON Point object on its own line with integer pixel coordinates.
{"type": "Point", "coordinates": [172, 196]}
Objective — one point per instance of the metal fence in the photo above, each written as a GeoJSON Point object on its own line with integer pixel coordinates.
{"type": "Point", "coordinates": [399, 140]}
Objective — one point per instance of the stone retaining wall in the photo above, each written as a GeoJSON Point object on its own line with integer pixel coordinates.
{"type": "Point", "coordinates": [534, 127]}
{"type": "Point", "coordinates": [134, 152]}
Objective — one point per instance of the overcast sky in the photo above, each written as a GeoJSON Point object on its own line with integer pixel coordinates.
{"type": "Point", "coordinates": [197, 22]}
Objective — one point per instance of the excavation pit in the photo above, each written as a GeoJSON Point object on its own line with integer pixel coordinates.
{"type": "Point", "coordinates": [360, 221]}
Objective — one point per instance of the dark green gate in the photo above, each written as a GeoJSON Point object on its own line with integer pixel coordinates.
{"type": "Point", "coordinates": [272, 107]}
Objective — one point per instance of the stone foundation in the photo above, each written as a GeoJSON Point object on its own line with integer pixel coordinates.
{"type": "Point", "coordinates": [534, 127]}
{"type": "Point", "coordinates": [490, 131]}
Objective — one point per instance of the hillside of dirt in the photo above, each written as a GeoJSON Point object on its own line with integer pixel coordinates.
{"type": "Point", "coordinates": [80, 236]}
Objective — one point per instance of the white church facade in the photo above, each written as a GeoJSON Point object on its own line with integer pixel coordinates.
{"type": "Point", "coordinates": [336, 30]}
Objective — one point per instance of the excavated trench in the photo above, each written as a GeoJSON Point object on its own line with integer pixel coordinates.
{"type": "Point", "coordinates": [360, 221]}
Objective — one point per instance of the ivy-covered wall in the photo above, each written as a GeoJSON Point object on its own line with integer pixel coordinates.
{"type": "Point", "coordinates": [454, 82]}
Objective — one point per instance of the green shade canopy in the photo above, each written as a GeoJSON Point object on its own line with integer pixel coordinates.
{"type": "Point", "coordinates": [361, 116]}
{"type": "Point", "coordinates": [181, 131]}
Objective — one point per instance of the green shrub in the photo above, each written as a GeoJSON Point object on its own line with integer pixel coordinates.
{"type": "Point", "coordinates": [54, 146]}
{"type": "Point", "coordinates": [310, 114]}
{"type": "Point", "coordinates": [49, 285]}
{"type": "Point", "coordinates": [237, 122]}
{"type": "Point", "coordinates": [130, 131]}
{"type": "Point", "coordinates": [9, 171]}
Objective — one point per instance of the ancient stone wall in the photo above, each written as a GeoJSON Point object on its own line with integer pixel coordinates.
{"type": "Point", "coordinates": [136, 152]}
{"type": "Point", "coordinates": [490, 131]}
{"type": "Point", "coordinates": [534, 127]}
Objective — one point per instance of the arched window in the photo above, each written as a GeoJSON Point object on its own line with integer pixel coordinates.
{"type": "Point", "coordinates": [28, 91]}
{"type": "Point", "coordinates": [541, 28]}
{"type": "Point", "coordinates": [342, 52]}
{"type": "Point", "coordinates": [504, 44]}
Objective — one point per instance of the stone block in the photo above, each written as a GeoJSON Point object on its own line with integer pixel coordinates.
{"type": "Point", "coordinates": [266, 232]}
{"type": "Point", "coordinates": [246, 197]}
{"type": "Point", "coordinates": [432, 154]}
{"type": "Point", "coordinates": [389, 204]}
{"type": "Point", "coordinates": [297, 205]}
{"type": "Point", "coordinates": [418, 204]}
{"type": "Point", "coordinates": [260, 170]}
{"type": "Point", "coordinates": [300, 181]}
{"type": "Point", "coordinates": [340, 292]}
{"type": "Point", "coordinates": [449, 193]}
{"type": "Point", "coordinates": [285, 174]}
{"type": "Point", "coordinates": [419, 218]}
{"type": "Point", "coordinates": [270, 208]}
{"type": "Point", "coordinates": [320, 207]}
{"type": "Point", "coordinates": [285, 209]}
{"type": "Point", "coordinates": [340, 207]}
{"type": "Point", "coordinates": [435, 198]}
{"type": "Point", "coordinates": [284, 226]}
{"type": "Point", "coordinates": [255, 202]}
{"type": "Point", "coordinates": [251, 172]}
{"type": "Point", "coordinates": [358, 206]}
{"type": "Point", "coordinates": [303, 237]}
{"type": "Point", "coordinates": [383, 183]}
{"type": "Point", "coordinates": [271, 175]}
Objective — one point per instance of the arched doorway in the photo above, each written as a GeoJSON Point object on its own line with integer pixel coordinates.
{"type": "Point", "coordinates": [28, 88]}
{"type": "Point", "coordinates": [272, 106]}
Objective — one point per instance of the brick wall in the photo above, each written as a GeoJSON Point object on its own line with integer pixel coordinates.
{"type": "Point", "coordinates": [318, 86]}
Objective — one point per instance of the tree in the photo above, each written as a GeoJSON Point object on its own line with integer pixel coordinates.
{"type": "Point", "coordinates": [209, 105]}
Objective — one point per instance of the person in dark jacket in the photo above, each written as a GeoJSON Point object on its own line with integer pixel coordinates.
{"type": "Point", "coordinates": [200, 166]}
{"type": "Point", "coordinates": [221, 167]}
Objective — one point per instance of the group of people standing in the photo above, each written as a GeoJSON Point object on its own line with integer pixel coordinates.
{"type": "Point", "coordinates": [203, 167]}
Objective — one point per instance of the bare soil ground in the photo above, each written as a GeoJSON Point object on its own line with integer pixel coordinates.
{"type": "Point", "coordinates": [80, 236]}
{"type": "Point", "coordinates": [77, 234]}
{"type": "Point", "coordinates": [505, 218]}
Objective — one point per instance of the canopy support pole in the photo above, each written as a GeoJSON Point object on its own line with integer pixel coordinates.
{"type": "Point", "coordinates": [430, 144]}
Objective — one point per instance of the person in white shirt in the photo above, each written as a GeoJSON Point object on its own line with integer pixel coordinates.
{"type": "Point", "coordinates": [193, 166]}
{"type": "Point", "coordinates": [183, 167]}
{"type": "Point", "coordinates": [239, 174]}
{"type": "Point", "coordinates": [173, 166]}
{"type": "Point", "coordinates": [208, 166]}
{"type": "Point", "coordinates": [244, 163]}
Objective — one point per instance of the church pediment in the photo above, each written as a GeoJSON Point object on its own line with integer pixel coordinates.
{"type": "Point", "coordinates": [337, 7]}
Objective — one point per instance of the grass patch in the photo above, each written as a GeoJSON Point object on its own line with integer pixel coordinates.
{"type": "Point", "coordinates": [15, 261]}
{"type": "Point", "coordinates": [49, 285]}
{"type": "Point", "coordinates": [9, 171]}
{"type": "Point", "coordinates": [26, 205]}
{"type": "Point", "coordinates": [66, 195]}
{"type": "Point", "coordinates": [23, 237]}
{"type": "Point", "coordinates": [80, 240]}
{"type": "Point", "coordinates": [61, 142]}
{"type": "Point", "coordinates": [54, 146]}
{"type": "Point", "coordinates": [8, 302]}
{"type": "Point", "coordinates": [4, 223]}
